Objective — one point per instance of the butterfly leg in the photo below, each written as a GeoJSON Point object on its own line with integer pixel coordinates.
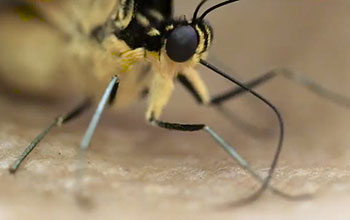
{"type": "Point", "coordinates": [188, 79]}
{"type": "Point", "coordinates": [192, 84]}
{"type": "Point", "coordinates": [107, 98]}
{"type": "Point", "coordinates": [233, 154]}
{"type": "Point", "coordinates": [218, 100]}
{"type": "Point", "coordinates": [59, 121]}
{"type": "Point", "coordinates": [302, 80]}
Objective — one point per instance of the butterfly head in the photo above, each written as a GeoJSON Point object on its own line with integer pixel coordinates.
{"type": "Point", "coordinates": [191, 40]}
{"type": "Point", "coordinates": [188, 40]}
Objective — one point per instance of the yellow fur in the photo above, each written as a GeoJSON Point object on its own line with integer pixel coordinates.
{"type": "Point", "coordinates": [200, 47]}
{"type": "Point", "coordinates": [160, 91]}
{"type": "Point", "coordinates": [156, 14]}
{"type": "Point", "coordinates": [169, 27]}
{"type": "Point", "coordinates": [123, 21]}
{"type": "Point", "coordinates": [142, 20]}
{"type": "Point", "coordinates": [153, 32]}
{"type": "Point", "coordinates": [193, 76]}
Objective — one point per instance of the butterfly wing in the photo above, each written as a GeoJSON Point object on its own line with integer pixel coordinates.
{"type": "Point", "coordinates": [46, 44]}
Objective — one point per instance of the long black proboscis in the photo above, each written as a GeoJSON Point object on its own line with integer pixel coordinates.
{"type": "Point", "coordinates": [280, 122]}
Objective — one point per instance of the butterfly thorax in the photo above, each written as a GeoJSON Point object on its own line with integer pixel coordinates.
{"type": "Point", "coordinates": [145, 32]}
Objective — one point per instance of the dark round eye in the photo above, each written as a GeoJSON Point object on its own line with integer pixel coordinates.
{"type": "Point", "coordinates": [182, 43]}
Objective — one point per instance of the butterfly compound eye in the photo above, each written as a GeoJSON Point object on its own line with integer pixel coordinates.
{"type": "Point", "coordinates": [182, 43]}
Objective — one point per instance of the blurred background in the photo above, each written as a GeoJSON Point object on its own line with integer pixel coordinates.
{"type": "Point", "coordinates": [138, 171]}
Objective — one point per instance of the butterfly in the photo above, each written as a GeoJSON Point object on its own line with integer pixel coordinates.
{"type": "Point", "coordinates": [143, 49]}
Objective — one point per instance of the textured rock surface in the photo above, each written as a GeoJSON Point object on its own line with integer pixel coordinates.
{"type": "Point", "coordinates": [135, 171]}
